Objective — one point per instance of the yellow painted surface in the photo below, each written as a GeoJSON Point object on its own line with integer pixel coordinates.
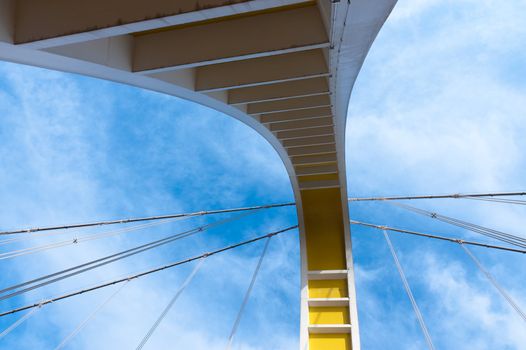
{"type": "Point", "coordinates": [329, 342]}
{"type": "Point", "coordinates": [329, 315]}
{"type": "Point", "coordinates": [320, 177]}
{"type": "Point", "coordinates": [324, 232]}
{"type": "Point", "coordinates": [325, 243]}
{"type": "Point", "coordinates": [328, 289]}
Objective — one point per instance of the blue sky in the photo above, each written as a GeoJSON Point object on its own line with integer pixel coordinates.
{"type": "Point", "coordinates": [438, 107]}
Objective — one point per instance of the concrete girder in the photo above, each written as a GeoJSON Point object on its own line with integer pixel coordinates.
{"type": "Point", "coordinates": [300, 133]}
{"type": "Point", "coordinates": [238, 38]}
{"type": "Point", "coordinates": [289, 104]}
{"type": "Point", "coordinates": [328, 168]}
{"type": "Point", "coordinates": [314, 159]}
{"type": "Point", "coordinates": [317, 185]}
{"type": "Point", "coordinates": [261, 71]}
{"type": "Point", "coordinates": [311, 149]}
{"type": "Point", "coordinates": [308, 113]}
{"type": "Point", "coordinates": [48, 23]}
{"type": "Point", "coordinates": [279, 91]}
{"type": "Point", "coordinates": [305, 141]}
{"type": "Point", "coordinates": [301, 124]}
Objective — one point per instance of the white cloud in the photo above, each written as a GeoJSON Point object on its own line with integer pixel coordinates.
{"type": "Point", "coordinates": [438, 109]}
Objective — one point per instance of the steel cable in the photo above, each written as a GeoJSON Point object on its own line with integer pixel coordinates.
{"type": "Point", "coordinates": [81, 239]}
{"type": "Point", "coordinates": [149, 218]}
{"type": "Point", "coordinates": [73, 271]}
{"type": "Point", "coordinates": [83, 324]}
{"type": "Point", "coordinates": [499, 200]}
{"type": "Point", "coordinates": [147, 272]}
{"type": "Point", "coordinates": [36, 235]}
{"type": "Point", "coordinates": [427, 235]}
{"type": "Point", "coordinates": [499, 235]}
{"type": "Point", "coordinates": [440, 196]}
{"type": "Point", "coordinates": [247, 295]}
{"type": "Point", "coordinates": [171, 303]}
{"type": "Point", "coordinates": [494, 282]}
{"type": "Point", "coordinates": [18, 322]}
{"type": "Point", "coordinates": [409, 293]}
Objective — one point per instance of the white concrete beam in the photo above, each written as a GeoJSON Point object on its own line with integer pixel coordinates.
{"type": "Point", "coordinates": [261, 71]}
{"type": "Point", "coordinates": [314, 185]}
{"type": "Point", "coordinates": [300, 114]}
{"type": "Point", "coordinates": [293, 134]}
{"type": "Point", "coordinates": [297, 103]}
{"type": "Point", "coordinates": [327, 274]}
{"type": "Point", "coordinates": [330, 328]}
{"type": "Point", "coordinates": [314, 159]}
{"type": "Point", "coordinates": [231, 39]}
{"type": "Point", "coordinates": [306, 141]}
{"type": "Point", "coordinates": [115, 52]}
{"type": "Point", "coordinates": [311, 150]}
{"type": "Point", "coordinates": [181, 77]}
{"type": "Point", "coordinates": [328, 302]}
{"type": "Point", "coordinates": [301, 124]}
{"type": "Point", "coordinates": [328, 168]}
{"type": "Point", "coordinates": [279, 91]}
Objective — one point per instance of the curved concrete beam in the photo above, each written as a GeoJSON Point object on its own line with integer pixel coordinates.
{"type": "Point", "coordinates": [292, 85]}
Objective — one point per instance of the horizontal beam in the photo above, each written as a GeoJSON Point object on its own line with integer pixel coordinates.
{"type": "Point", "coordinates": [314, 159]}
{"type": "Point", "coordinates": [301, 124]}
{"type": "Point", "coordinates": [261, 71]}
{"type": "Point", "coordinates": [289, 104]}
{"type": "Point", "coordinates": [48, 23]}
{"type": "Point", "coordinates": [279, 91]}
{"type": "Point", "coordinates": [308, 150]}
{"type": "Point", "coordinates": [330, 328]}
{"type": "Point", "coordinates": [328, 302]}
{"type": "Point", "coordinates": [329, 168]}
{"type": "Point", "coordinates": [294, 134]}
{"type": "Point", "coordinates": [327, 274]}
{"type": "Point", "coordinates": [296, 115]}
{"type": "Point", "coordinates": [232, 39]}
{"type": "Point", "coordinates": [317, 177]}
{"type": "Point", "coordinates": [314, 185]}
{"type": "Point", "coordinates": [306, 141]}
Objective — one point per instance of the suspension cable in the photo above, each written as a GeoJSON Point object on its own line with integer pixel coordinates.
{"type": "Point", "coordinates": [409, 293]}
{"type": "Point", "coordinates": [428, 235]}
{"type": "Point", "coordinates": [83, 324]}
{"type": "Point", "coordinates": [19, 322]}
{"type": "Point", "coordinates": [73, 271]}
{"type": "Point", "coordinates": [77, 240]}
{"type": "Point", "coordinates": [494, 282]}
{"type": "Point", "coordinates": [36, 235]}
{"type": "Point", "coordinates": [171, 303]}
{"type": "Point", "coordinates": [499, 235]}
{"type": "Point", "coordinates": [499, 200]}
{"type": "Point", "coordinates": [149, 218]}
{"type": "Point", "coordinates": [147, 272]}
{"type": "Point", "coordinates": [247, 295]}
{"type": "Point", "coordinates": [455, 195]}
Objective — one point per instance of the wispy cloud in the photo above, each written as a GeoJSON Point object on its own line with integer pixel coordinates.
{"type": "Point", "coordinates": [439, 108]}
{"type": "Point", "coordinates": [77, 149]}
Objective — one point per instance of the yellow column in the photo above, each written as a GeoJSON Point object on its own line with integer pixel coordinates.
{"type": "Point", "coordinates": [327, 275]}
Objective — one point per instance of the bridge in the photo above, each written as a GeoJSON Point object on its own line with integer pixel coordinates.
{"type": "Point", "coordinates": [285, 68]}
